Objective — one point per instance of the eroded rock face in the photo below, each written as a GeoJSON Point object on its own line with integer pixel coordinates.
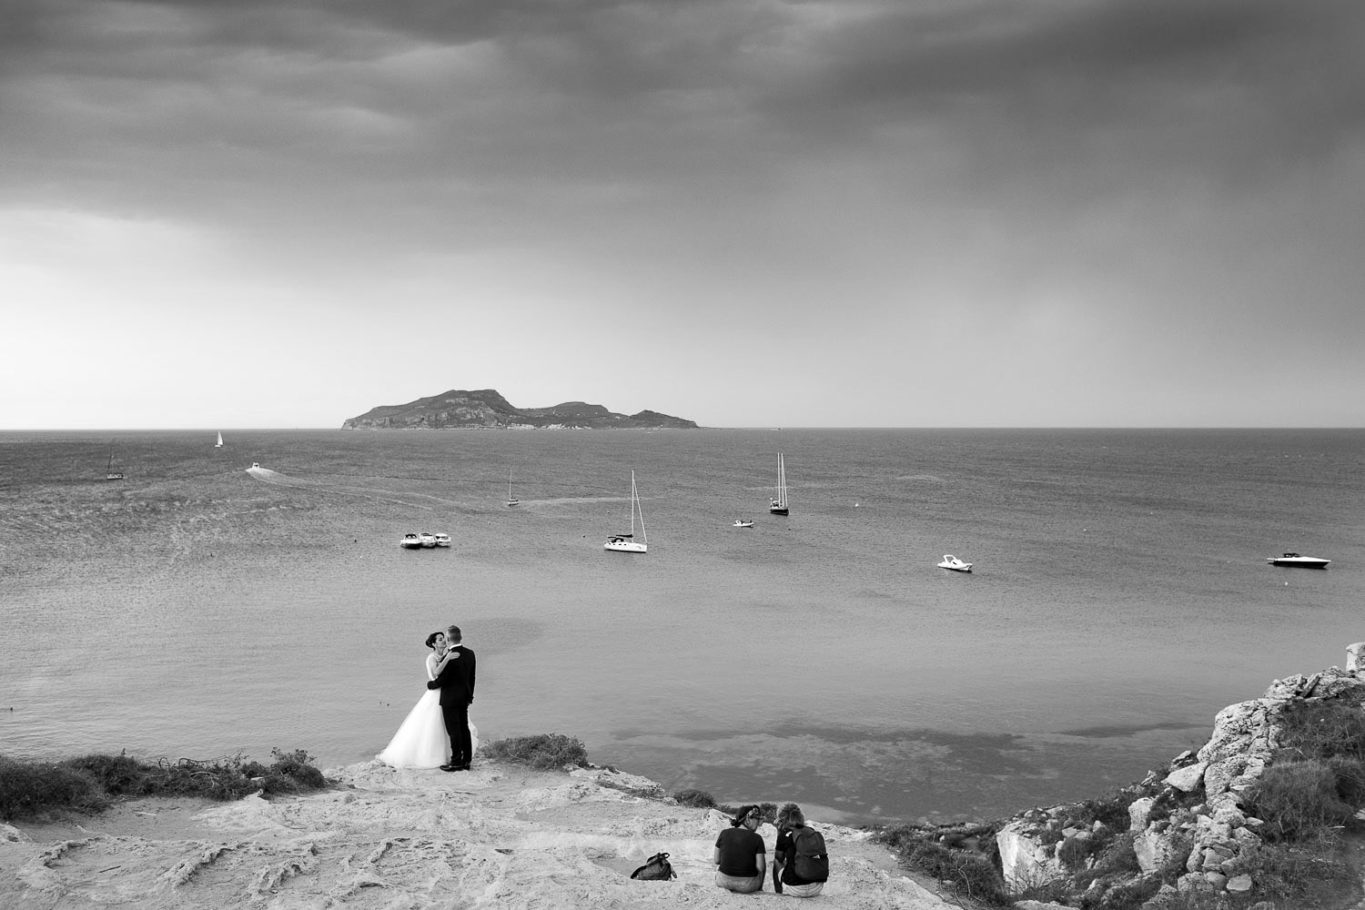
{"type": "Point", "coordinates": [1208, 831]}
{"type": "Point", "coordinates": [1025, 858]}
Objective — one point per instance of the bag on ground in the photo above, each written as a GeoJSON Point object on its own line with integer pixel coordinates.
{"type": "Point", "coordinates": [656, 868]}
{"type": "Point", "coordinates": [810, 861]}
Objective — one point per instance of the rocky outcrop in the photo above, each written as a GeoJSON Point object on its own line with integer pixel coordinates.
{"type": "Point", "coordinates": [1190, 829]}
{"type": "Point", "coordinates": [486, 409]}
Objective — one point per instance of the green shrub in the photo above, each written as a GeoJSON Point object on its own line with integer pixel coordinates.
{"type": "Point", "coordinates": [544, 752]}
{"type": "Point", "coordinates": [1128, 894]}
{"type": "Point", "coordinates": [87, 782]}
{"type": "Point", "coordinates": [1117, 857]}
{"type": "Point", "coordinates": [1322, 729]}
{"type": "Point", "coordinates": [1313, 871]}
{"type": "Point", "coordinates": [1295, 798]}
{"type": "Point", "coordinates": [1112, 808]}
{"type": "Point", "coordinates": [969, 873]}
{"type": "Point", "coordinates": [1350, 779]}
{"type": "Point", "coordinates": [1073, 852]}
{"type": "Point", "coordinates": [32, 789]}
{"type": "Point", "coordinates": [293, 771]}
{"type": "Point", "coordinates": [696, 799]}
{"type": "Point", "coordinates": [118, 775]}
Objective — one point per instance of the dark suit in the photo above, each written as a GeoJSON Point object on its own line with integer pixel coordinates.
{"type": "Point", "coordinates": [456, 683]}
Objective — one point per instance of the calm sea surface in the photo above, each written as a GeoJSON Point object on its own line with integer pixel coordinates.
{"type": "Point", "coordinates": [1120, 599]}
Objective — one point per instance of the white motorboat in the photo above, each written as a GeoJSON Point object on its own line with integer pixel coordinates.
{"type": "Point", "coordinates": [1295, 561]}
{"type": "Point", "coordinates": [442, 539]}
{"type": "Point", "coordinates": [626, 543]}
{"type": "Point", "coordinates": [410, 542]}
{"type": "Point", "coordinates": [953, 564]}
{"type": "Point", "coordinates": [427, 538]}
{"type": "Point", "coordinates": [779, 504]}
{"type": "Point", "coordinates": [744, 522]}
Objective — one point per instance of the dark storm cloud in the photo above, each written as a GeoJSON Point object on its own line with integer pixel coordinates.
{"type": "Point", "coordinates": [1227, 87]}
{"type": "Point", "coordinates": [475, 113]}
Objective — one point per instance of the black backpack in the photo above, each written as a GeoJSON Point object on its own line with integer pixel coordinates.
{"type": "Point", "coordinates": [656, 868]}
{"type": "Point", "coordinates": [810, 861]}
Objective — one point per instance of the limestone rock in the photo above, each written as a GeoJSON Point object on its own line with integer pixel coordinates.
{"type": "Point", "coordinates": [1024, 860]}
{"type": "Point", "coordinates": [1187, 779]}
{"type": "Point", "coordinates": [1355, 656]}
{"type": "Point", "coordinates": [1157, 850]}
{"type": "Point", "coordinates": [1140, 812]}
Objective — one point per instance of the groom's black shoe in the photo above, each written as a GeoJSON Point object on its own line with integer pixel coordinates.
{"type": "Point", "coordinates": [461, 767]}
{"type": "Point", "coordinates": [450, 767]}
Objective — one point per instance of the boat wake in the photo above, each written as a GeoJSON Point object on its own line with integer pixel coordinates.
{"type": "Point", "coordinates": [377, 494]}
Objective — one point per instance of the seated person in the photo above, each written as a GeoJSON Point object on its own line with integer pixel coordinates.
{"type": "Point", "coordinates": [790, 819]}
{"type": "Point", "coordinates": [740, 857]}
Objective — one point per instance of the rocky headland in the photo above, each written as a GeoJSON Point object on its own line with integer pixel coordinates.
{"type": "Point", "coordinates": [486, 409]}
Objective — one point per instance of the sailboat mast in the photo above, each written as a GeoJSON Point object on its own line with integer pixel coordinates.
{"type": "Point", "coordinates": [636, 507]}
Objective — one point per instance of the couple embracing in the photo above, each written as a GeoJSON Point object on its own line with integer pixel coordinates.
{"type": "Point", "coordinates": [437, 732]}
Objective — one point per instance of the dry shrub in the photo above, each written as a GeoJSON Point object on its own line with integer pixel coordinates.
{"type": "Point", "coordinates": [1295, 798]}
{"type": "Point", "coordinates": [543, 752]}
{"type": "Point", "coordinates": [695, 799]}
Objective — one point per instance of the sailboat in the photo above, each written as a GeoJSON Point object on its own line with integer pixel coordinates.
{"type": "Point", "coordinates": [219, 443]}
{"type": "Point", "coordinates": [109, 472]}
{"type": "Point", "coordinates": [626, 543]}
{"type": "Point", "coordinates": [779, 506]}
{"type": "Point", "coordinates": [511, 500]}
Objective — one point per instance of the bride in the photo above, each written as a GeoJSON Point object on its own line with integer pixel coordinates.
{"type": "Point", "coordinates": [421, 740]}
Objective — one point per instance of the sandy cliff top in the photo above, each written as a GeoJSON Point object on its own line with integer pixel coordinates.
{"type": "Point", "coordinates": [499, 836]}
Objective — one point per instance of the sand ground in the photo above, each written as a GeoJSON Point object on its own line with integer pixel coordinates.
{"type": "Point", "coordinates": [498, 836]}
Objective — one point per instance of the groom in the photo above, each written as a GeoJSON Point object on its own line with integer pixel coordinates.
{"type": "Point", "coordinates": [456, 683]}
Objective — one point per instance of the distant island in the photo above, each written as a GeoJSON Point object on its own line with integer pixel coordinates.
{"type": "Point", "coordinates": [486, 409]}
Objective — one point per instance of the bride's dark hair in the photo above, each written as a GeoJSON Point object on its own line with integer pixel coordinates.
{"type": "Point", "coordinates": [431, 639]}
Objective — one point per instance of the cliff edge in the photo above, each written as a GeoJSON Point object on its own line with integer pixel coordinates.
{"type": "Point", "coordinates": [500, 836]}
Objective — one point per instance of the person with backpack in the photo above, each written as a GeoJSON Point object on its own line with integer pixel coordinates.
{"type": "Point", "coordinates": [800, 863]}
{"type": "Point", "coordinates": [740, 857]}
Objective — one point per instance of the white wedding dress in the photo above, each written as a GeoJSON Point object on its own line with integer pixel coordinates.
{"type": "Point", "coordinates": [421, 740]}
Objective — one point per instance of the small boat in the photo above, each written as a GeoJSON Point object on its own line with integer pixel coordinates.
{"type": "Point", "coordinates": [410, 542]}
{"type": "Point", "coordinates": [442, 539]}
{"type": "Point", "coordinates": [953, 564]}
{"type": "Point", "coordinates": [779, 505]}
{"type": "Point", "coordinates": [427, 538]}
{"type": "Point", "coordinates": [511, 500]}
{"type": "Point", "coordinates": [744, 522]}
{"type": "Point", "coordinates": [219, 443]}
{"type": "Point", "coordinates": [626, 543]}
{"type": "Point", "coordinates": [254, 465]}
{"type": "Point", "coordinates": [109, 472]}
{"type": "Point", "coordinates": [1295, 561]}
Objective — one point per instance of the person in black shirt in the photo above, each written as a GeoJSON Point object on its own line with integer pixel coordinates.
{"type": "Point", "coordinates": [740, 857]}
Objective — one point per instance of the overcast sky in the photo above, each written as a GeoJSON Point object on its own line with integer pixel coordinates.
{"type": "Point", "coordinates": [281, 213]}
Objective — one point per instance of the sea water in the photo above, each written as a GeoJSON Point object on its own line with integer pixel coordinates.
{"type": "Point", "coordinates": [1120, 598]}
